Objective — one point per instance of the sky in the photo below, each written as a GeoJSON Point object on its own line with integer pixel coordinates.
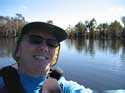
{"type": "Point", "coordinates": [65, 12]}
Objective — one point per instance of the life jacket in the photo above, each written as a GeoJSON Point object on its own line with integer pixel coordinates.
{"type": "Point", "coordinates": [12, 80]}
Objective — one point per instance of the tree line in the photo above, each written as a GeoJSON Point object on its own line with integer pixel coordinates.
{"type": "Point", "coordinates": [11, 26]}
{"type": "Point", "coordinates": [90, 30]}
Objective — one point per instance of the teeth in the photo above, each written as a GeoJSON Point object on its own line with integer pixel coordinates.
{"type": "Point", "coordinates": [40, 57]}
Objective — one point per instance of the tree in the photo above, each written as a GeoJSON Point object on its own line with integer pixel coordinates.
{"type": "Point", "coordinates": [80, 29]}
{"type": "Point", "coordinates": [92, 28]}
{"type": "Point", "coordinates": [116, 29]}
{"type": "Point", "coordinates": [50, 21]}
{"type": "Point", "coordinates": [11, 26]}
{"type": "Point", "coordinates": [103, 30]}
{"type": "Point", "coordinates": [123, 32]}
{"type": "Point", "coordinates": [20, 21]}
{"type": "Point", "coordinates": [123, 20]}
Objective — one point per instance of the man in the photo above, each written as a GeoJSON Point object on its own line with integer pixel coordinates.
{"type": "Point", "coordinates": [36, 47]}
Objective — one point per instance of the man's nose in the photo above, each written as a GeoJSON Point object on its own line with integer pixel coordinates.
{"type": "Point", "coordinates": [43, 46]}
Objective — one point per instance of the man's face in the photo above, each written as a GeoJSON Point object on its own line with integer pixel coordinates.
{"type": "Point", "coordinates": [35, 57]}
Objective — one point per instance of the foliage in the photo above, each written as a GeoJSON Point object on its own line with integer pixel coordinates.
{"type": "Point", "coordinates": [91, 30]}
{"type": "Point", "coordinates": [80, 28]}
{"type": "Point", "coordinates": [116, 29]}
{"type": "Point", "coordinates": [11, 26]}
{"type": "Point", "coordinates": [103, 31]}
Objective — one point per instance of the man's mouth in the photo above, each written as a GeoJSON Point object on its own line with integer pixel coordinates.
{"type": "Point", "coordinates": [40, 57]}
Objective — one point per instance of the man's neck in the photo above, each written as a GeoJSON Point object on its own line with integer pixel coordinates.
{"type": "Point", "coordinates": [30, 73]}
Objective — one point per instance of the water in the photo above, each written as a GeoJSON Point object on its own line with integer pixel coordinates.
{"type": "Point", "coordinates": [97, 64]}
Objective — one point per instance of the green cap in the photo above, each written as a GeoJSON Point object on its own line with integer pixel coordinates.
{"type": "Point", "coordinates": [57, 32]}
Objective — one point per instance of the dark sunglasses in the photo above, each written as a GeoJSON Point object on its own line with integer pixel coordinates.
{"type": "Point", "coordinates": [36, 40]}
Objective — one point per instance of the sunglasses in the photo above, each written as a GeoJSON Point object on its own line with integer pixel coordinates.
{"type": "Point", "coordinates": [36, 40]}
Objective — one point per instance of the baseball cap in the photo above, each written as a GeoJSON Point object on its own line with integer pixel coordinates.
{"type": "Point", "coordinates": [56, 31]}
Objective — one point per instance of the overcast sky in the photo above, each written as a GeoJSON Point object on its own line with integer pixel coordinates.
{"type": "Point", "coordinates": [64, 12]}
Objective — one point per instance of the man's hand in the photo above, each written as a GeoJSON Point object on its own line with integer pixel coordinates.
{"type": "Point", "coordinates": [51, 86]}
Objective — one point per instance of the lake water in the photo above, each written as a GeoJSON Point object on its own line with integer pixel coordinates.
{"type": "Point", "coordinates": [97, 64]}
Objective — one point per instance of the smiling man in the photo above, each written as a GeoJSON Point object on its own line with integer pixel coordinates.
{"type": "Point", "coordinates": [36, 47]}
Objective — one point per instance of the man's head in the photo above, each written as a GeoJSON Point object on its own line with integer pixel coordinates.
{"type": "Point", "coordinates": [36, 47]}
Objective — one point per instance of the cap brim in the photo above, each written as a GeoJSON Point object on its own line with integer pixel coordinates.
{"type": "Point", "coordinates": [56, 31]}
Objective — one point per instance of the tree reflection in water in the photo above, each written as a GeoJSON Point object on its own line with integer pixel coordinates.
{"type": "Point", "coordinates": [114, 46]}
{"type": "Point", "coordinates": [7, 46]}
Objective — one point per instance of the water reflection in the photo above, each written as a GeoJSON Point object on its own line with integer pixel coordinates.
{"type": "Point", "coordinates": [91, 46]}
{"type": "Point", "coordinates": [6, 47]}
{"type": "Point", "coordinates": [80, 44]}
{"type": "Point", "coordinates": [122, 56]}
